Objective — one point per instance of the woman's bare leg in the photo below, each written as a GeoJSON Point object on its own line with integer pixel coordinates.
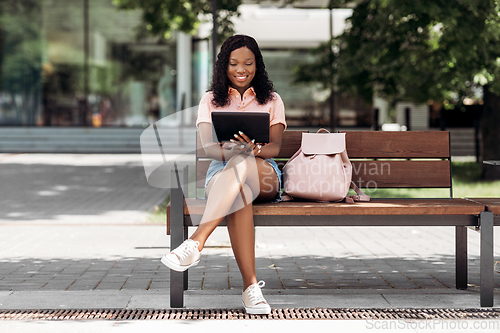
{"type": "Point", "coordinates": [240, 224]}
{"type": "Point", "coordinates": [242, 235]}
{"type": "Point", "coordinates": [223, 192]}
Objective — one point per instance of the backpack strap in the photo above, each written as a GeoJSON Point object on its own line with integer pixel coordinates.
{"type": "Point", "coordinates": [286, 197]}
{"type": "Point", "coordinates": [359, 197]}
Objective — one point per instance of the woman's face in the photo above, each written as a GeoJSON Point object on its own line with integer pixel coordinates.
{"type": "Point", "coordinates": [241, 69]}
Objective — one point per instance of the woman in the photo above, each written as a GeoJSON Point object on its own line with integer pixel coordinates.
{"type": "Point", "coordinates": [239, 171]}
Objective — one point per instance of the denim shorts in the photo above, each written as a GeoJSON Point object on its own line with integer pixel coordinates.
{"type": "Point", "coordinates": [216, 166]}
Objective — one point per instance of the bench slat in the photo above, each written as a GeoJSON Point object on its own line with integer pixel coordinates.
{"type": "Point", "coordinates": [394, 217]}
{"type": "Point", "coordinates": [492, 204]}
{"type": "Point", "coordinates": [373, 144]}
{"type": "Point", "coordinates": [402, 174]}
{"type": "Point", "coordinates": [383, 174]}
{"type": "Point", "coordinates": [375, 212]}
{"type": "Point", "coordinates": [418, 144]}
{"type": "Point", "coordinates": [374, 207]}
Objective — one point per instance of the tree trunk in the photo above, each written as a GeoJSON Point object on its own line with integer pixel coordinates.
{"type": "Point", "coordinates": [490, 134]}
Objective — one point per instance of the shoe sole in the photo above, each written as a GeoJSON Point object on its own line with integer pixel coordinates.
{"type": "Point", "coordinates": [175, 267]}
{"type": "Point", "coordinates": [256, 311]}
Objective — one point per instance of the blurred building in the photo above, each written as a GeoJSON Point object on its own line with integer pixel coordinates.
{"type": "Point", "coordinates": [73, 72]}
{"type": "Point", "coordinates": [77, 63]}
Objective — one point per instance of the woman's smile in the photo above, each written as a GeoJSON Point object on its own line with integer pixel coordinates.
{"type": "Point", "coordinates": [241, 69]}
{"type": "Point", "coordinates": [241, 78]}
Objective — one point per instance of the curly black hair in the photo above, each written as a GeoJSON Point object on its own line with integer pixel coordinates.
{"type": "Point", "coordinates": [220, 82]}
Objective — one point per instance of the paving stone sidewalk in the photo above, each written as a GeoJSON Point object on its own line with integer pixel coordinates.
{"type": "Point", "coordinates": [124, 260]}
{"type": "Point", "coordinates": [122, 257]}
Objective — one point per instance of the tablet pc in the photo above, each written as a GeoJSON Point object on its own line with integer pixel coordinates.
{"type": "Point", "coordinates": [255, 124]}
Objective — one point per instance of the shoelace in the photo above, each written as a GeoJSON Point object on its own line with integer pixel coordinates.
{"type": "Point", "coordinates": [186, 248]}
{"type": "Point", "coordinates": [255, 295]}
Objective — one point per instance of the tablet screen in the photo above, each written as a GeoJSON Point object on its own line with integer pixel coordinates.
{"type": "Point", "coordinates": [227, 123]}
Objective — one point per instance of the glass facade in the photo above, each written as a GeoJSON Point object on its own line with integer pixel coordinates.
{"type": "Point", "coordinates": [79, 63]}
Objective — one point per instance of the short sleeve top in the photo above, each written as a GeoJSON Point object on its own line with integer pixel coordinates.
{"type": "Point", "coordinates": [275, 107]}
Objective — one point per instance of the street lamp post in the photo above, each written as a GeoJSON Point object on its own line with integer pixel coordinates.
{"type": "Point", "coordinates": [332, 78]}
{"type": "Point", "coordinates": [214, 32]}
{"type": "Point", "coordinates": [85, 101]}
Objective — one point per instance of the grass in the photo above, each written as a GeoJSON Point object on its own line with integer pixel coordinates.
{"type": "Point", "coordinates": [159, 215]}
{"type": "Point", "coordinates": [468, 183]}
{"type": "Point", "coordinates": [466, 177]}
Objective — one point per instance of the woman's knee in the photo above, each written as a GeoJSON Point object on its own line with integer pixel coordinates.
{"type": "Point", "coordinates": [246, 166]}
{"type": "Point", "coordinates": [239, 163]}
{"type": "Point", "coordinates": [244, 198]}
{"type": "Point", "coordinates": [247, 194]}
{"type": "Point", "coordinates": [237, 160]}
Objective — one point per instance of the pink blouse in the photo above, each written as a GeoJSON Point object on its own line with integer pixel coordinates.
{"type": "Point", "coordinates": [275, 107]}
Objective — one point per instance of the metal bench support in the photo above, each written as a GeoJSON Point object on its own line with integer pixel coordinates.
{"type": "Point", "coordinates": [487, 262]}
{"type": "Point", "coordinates": [178, 233]}
{"type": "Point", "coordinates": [461, 257]}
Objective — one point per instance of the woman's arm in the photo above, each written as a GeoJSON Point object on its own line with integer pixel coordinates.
{"type": "Point", "coordinates": [214, 149]}
{"type": "Point", "coordinates": [211, 148]}
{"type": "Point", "coordinates": [272, 149]}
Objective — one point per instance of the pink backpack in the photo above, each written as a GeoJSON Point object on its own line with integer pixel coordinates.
{"type": "Point", "coordinates": [320, 170]}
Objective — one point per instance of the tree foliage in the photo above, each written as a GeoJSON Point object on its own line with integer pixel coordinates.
{"type": "Point", "coordinates": [420, 50]}
{"type": "Point", "coordinates": [161, 17]}
{"type": "Point", "coordinates": [321, 70]}
{"type": "Point", "coordinates": [20, 55]}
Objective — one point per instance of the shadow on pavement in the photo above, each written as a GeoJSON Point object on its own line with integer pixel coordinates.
{"type": "Point", "coordinates": [219, 272]}
{"type": "Point", "coordinates": [42, 191]}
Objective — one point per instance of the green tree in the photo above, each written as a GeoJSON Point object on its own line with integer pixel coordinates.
{"type": "Point", "coordinates": [21, 55]}
{"type": "Point", "coordinates": [161, 17]}
{"type": "Point", "coordinates": [419, 50]}
{"type": "Point", "coordinates": [425, 50]}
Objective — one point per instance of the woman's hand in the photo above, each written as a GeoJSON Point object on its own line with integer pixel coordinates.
{"type": "Point", "coordinates": [236, 148]}
{"type": "Point", "coordinates": [216, 151]}
{"type": "Point", "coordinates": [247, 145]}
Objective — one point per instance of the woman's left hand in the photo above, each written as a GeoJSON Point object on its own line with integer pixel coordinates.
{"type": "Point", "coordinates": [252, 146]}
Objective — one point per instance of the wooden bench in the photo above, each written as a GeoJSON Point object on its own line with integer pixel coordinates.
{"type": "Point", "coordinates": [381, 159]}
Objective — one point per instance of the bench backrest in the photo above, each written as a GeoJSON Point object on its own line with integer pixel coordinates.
{"type": "Point", "coordinates": [410, 159]}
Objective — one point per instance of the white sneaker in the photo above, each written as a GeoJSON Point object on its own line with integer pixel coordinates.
{"type": "Point", "coordinates": [253, 301]}
{"type": "Point", "coordinates": [183, 257]}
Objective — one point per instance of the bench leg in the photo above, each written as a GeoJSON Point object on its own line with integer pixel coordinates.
{"type": "Point", "coordinates": [461, 257]}
{"type": "Point", "coordinates": [487, 263]}
{"type": "Point", "coordinates": [186, 277]}
{"type": "Point", "coordinates": [185, 184]}
{"type": "Point", "coordinates": [177, 234]}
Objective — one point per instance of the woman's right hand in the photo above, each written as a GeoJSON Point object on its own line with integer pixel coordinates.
{"type": "Point", "coordinates": [239, 148]}
{"type": "Point", "coordinates": [252, 147]}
